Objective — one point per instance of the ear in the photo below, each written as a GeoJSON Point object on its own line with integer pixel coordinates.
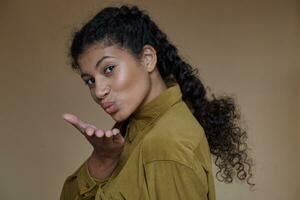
{"type": "Point", "coordinates": [149, 58]}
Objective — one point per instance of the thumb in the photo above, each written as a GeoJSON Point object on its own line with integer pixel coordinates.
{"type": "Point", "coordinates": [75, 121]}
{"type": "Point", "coordinates": [72, 119]}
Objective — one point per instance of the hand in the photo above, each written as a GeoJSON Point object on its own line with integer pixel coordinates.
{"type": "Point", "coordinates": [108, 146]}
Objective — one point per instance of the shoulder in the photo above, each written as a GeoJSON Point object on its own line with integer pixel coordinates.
{"type": "Point", "coordinates": [175, 136]}
{"type": "Point", "coordinates": [72, 178]}
{"type": "Point", "coordinates": [70, 187]}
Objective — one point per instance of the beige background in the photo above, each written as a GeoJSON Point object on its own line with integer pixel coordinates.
{"type": "Point", "coordinates": [249, 49]}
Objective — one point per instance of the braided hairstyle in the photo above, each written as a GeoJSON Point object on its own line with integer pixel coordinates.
{"type": "Point", "coordinates": [131, 28]}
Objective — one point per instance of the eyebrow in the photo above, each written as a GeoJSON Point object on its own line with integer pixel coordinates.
{"type": "Point", "coordinates": [97, 64]}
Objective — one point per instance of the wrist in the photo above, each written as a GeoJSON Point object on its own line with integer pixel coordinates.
{"type": "Point", "coordinates": [101, 167]}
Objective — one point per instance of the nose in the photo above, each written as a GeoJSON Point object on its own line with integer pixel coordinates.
{"type": "Point", "coordinates": [102, 91]}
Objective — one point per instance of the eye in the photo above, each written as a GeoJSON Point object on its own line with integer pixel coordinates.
{"type": "Point", "coordinates": [89, 82]}
{"type": "Point", "coordinates": [109, 69]}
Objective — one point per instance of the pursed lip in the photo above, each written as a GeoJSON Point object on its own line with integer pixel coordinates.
{"type": "Point", "coordinates": [106, 104]}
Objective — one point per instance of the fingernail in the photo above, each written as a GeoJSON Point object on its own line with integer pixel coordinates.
{"type": "Point", "coordinates": [99, 133]}
{"type": "Point", "coordinates": [89, 132]}
{"type": "Point", "coordinates": [66, 116]}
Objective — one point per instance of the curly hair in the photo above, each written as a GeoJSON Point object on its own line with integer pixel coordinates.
{"type": "Point", "coordinates": [132, 28]}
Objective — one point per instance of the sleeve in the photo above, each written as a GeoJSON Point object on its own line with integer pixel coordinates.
{"type": "Point", "coordinates": [80, 185]}
{"type": "Point", "coordinates": [70, 190]}
{"type": "Point", "coordinates": [173, 180]}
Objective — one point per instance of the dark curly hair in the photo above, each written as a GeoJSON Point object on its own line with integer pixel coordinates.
{"type": "Point", "coordinates": [131, 28]}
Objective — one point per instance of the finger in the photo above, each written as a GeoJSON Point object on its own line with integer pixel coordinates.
{"type": "Point", "coordinates": [90, 131]}
{"type": "Point", "coordinates": [115, 131]}
{"type": "Point", "coordinates": [99, 133]}
{"type": "Point", "coordinates": [75, 121]}
{"type": "Point", "coordinates": [108, 133]}
{"type": "Point", "coordinates": [107, 139]}
{"type": "Point", "coordinates": [91, 125]}
{"type": "Point", "coordinates": [117, 137]}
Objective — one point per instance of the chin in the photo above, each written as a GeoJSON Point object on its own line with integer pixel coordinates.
{"type": "Point", "coordinates": [118, 117]}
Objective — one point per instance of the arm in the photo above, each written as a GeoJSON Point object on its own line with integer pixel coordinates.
{"type": "Point", "coordinates": [80, 185]}
{"type": "Point", "coordinates": [101, 168]}
{"type": "Point", "coordinates": [173, 180]}
{"type": "Point", "coordinates": [69, 190]}
{"type": "Point", "coordinates": [107, 146]}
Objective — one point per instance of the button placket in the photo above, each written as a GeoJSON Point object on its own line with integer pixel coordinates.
{"type": "Point", "coordinates": [100, 194]}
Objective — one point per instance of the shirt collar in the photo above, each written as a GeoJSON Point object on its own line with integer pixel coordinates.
{"type": "Point", "coordinates": [148, 113]}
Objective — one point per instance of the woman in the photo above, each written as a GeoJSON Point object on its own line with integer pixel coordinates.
{"type": "Point", "coordinates": [165, 127]}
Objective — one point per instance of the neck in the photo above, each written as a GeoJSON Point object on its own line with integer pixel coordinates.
{"type": "Point", "coordinates": [157, 86]}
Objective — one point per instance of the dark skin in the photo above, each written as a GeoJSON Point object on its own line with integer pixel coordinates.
{"type": "Point", "coordinates": [130, 84]}
{"type": "Point", "coordinates": [107, 144]}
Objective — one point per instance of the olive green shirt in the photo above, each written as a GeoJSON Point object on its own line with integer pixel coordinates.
{"type": "Point", "coordinates": [165, 156]}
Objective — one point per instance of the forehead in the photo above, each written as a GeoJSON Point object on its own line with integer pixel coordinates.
{"type": "Point", "coordinates": [94, 52]}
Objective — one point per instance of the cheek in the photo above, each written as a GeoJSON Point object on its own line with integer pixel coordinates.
{"type": "Point", "coordinates": [128, 79]}
{"type": "Point", "coordinates": [131, 87]}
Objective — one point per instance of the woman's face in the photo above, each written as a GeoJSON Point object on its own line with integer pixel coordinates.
{"type": "Point", "coordinates": [117, 80]}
